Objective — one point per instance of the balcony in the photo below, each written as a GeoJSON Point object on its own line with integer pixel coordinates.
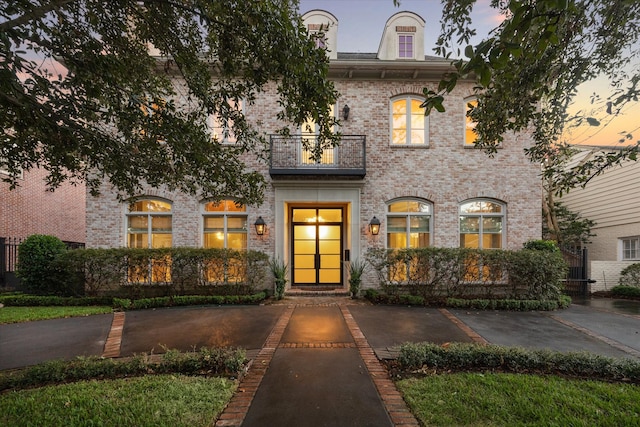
{"type": "Point", "coordinates": [290, 159]}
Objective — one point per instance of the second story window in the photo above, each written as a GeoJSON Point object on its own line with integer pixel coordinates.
{"type": "Point", "coordinates": [220, 129]}
{"type": "Point", "coordinates": [409, 125]}
{"type": "Point", "coordinates": [405, 46]}
{"type": "Point", "coordinates": [470, 135]}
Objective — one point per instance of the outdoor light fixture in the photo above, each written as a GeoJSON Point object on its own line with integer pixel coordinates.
{"type": "Point", "coordinates": [374, 226]}
{"type": "Point", "coordinates": [345, 112]}
{"type": "Point", "coordinates": [260, 225]}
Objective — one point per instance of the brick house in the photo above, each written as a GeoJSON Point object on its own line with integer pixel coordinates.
{"type": "Point", "coordinates": [419, 176]}
{"type": "Point", "coordinates": [609, 200]}
{"type": "Point", "coordinates": [31, 209]}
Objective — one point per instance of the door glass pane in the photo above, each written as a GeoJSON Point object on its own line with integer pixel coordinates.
{"type": "Point", "coordinates": [304, 215]}
{"type": "Point", "coordinates": [330, 215]}
{"type": "Point", "coordinates": [304, 261]}
{"type": "Point", "coordinates": [329, 232]}
{"type": "Point", "coordinates": [304, 275]}
{"type": "Point", "coordinates": [305, 247]}
{"type": "Point", "coordinates": [329, 276]}
{"type": "Point", "coordinates": [330, 261]}
{"type": "Point", "coordinates": [304, 232]}
{"type": "Point", "coordinates": [329, 246]}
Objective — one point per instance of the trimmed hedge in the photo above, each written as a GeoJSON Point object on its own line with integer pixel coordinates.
{"type": "Point", "coordinates": [207, 361]}
{"type": "Point", "coordinates": [135, 273]}
{"type": "Point", "coordinates": [474, 304]}
{"type": "Point", "coordinates": [630, 275]}
{"type": "Point", "coordinates": [474, 357]}
{"type": "Point", "coordinates": [128, 304]}
{"type": "Point", "coordinates": [37, 268]}
{"type": "Point", "coordinates": [625, 291]}
{"type": "Point", "coordinates": [470, 273]}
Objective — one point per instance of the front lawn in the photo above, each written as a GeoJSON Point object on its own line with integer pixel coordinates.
{"type": "Point", "coordinates": [488, 399]}
{"type": "Point", "coordinates": [26, 314]}
{"type": "Point", "coordinates": [163, 400]}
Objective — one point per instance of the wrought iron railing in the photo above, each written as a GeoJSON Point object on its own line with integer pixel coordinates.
{"type": "Point", "coordinates": [289, 157]}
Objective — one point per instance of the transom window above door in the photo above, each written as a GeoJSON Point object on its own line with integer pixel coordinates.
{"type": "Point", "coordinates": [409, 124]}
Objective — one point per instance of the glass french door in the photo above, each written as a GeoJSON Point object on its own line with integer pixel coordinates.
{"type": "Point", "coordinates": [316, 246]}
{"type": "Point", "coordinates": [309, 139]}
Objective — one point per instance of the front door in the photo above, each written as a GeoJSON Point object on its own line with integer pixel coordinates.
{"type": "Point", "coordinates": [317, 246]}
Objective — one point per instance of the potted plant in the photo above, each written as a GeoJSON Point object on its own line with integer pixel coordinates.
{"type": "Point", "coordinates": [356, 269]}
{"type": "Point", "coordinates": [280, 271]}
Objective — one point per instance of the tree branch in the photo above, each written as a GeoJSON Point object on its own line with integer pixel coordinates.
{"type": "Point", "coordinates": [36, 13]}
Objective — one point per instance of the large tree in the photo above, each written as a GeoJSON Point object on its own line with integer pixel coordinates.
{"type": "Point", "coordinates": [530, 67]}
{"type": "Point", "coordinates": [82, 97]}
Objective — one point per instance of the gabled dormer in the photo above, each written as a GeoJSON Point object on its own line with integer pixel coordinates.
{"type": "Point", "coordinates": [403, 38]}
{"type": "Point", "coordinates": [320, 21]}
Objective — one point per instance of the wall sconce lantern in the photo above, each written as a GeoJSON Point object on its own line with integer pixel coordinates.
{"type": "Point", "coordinates": [260, 225]}
{"type": "Point", "coordinates": [374, 226]}
{"type": "Point", "coordinates": [345, 112]}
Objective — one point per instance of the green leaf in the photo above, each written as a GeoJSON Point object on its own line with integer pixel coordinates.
{"type": "Point", "coordinates": [593, 121]}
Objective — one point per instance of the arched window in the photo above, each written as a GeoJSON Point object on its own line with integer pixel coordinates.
{"type": "Point", "coordinates": [482, 224]}
{"type": "Point", "coordinates": [409, 124]}
{"type": "Point", "coordinates": [470, 135]}
{"type": "Point", "coordinates": [224, 225]}
{"type": "Point", "coordinates": [409, 224]}
{"type": "Point", "coordinates": [149, 224]}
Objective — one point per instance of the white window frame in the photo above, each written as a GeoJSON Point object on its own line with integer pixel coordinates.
{"type": "Point", "coordinates": [481, 216]}
{"type": "Point", "coordinates": [413, 45]}
{"type": "Point", "coordinates": [634, 251]}
{"type": "Point", "coordinates": [150, 216]}
{"type": "Point", "coordinates": [407, 142]}
{"type": "Point", "coordinates": [407, 216]}
{"type": "Point", "coordinates": [226, 135]}
{"type": "Point", "coordinates": [466, 124]}
{"type": "Point", "coordinates": [226, 214]}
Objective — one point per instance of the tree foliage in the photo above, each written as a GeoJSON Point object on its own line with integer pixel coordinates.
{"type": "Point", "coordinates": [529, 68]}
{"type": "Point", "coordinates": [82, 97]}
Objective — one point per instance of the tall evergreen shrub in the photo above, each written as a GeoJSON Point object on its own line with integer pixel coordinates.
{"type": "Point", "coordinates": [37, 267]}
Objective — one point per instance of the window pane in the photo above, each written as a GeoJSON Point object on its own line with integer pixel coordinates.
{"type": "Point", "coordinates": [417, 137]}
{"type": "Point", "coordinates": [396, 240]}
{"type": "Point", "coordinates": [139, 240]}
{"type": "Point", "coordinates": [304, 215]}
{"type": "Point", "coordinates": [399, 137]}
{"type": "Point", "coordinates": [236, 224]}
{"type": "Point", "coordinates": [470, 125]}
{"type": "Point", "coordinates": [469, 240]}
{"type": "Point", "coordinates": [150, 206]}
{"type": "Point", "coordinates": [161, 240]}
{"type": "Point", "coordinates": [213, 223]}
{"type": "Point", "coordinates": [469, 224]}
{"type": "Point", "coordinates": [419, 240]}
{"type": "Point", "coordinates": [237, 241]}
{"type": "Point", "coordinates": [138, 224]}
{"type": "Point", "coordinates": [161, 223]}
{"type": "Point", "coordinates": [491, 207]}
{"type": "Point", "coordinates": [214, 240]}
{"type": "Point", "coordinates": [419, 224]}
{"type": "Point", "coordinates": [330, 215]}
{"type": "Point", "coordinates": [400, 107]}
{"type": "Point", "coordinates": [491, 241]}
{"type": "Point", "coordinates": [402, 206]}
{"type": "Point", "coordinates": [492, 225]}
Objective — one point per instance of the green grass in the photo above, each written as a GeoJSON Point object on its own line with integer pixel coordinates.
{"type": "Point", "coordinates": [474, 399]}
{"type": "Point", "coordinates": [165, 400]}
{"type": "Point", "coordinates": [26, 314]}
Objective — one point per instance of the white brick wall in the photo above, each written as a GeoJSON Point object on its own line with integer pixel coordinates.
{"type": "Point", "coordinates": [606, 274]}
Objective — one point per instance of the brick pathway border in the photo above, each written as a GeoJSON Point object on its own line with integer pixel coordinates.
{"type": "Point", "coordinates": [114, 339]}
{"type": "Point", "coordinates": [475, 337]}
{"type": "Point", "coordinates": [237, 409]}
{"type": "Point", "coordinates": [393, 402]}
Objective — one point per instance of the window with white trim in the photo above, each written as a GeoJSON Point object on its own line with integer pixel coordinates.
{"type": "Point", "coordinates": [409, 224]}
{"type": "Point", "coordinates": [482, 224]}
{"type": "Point", "coordinates": [470, 135]}
{"type": "Point", "coordinates": [409, 124]}
{"type": "Point", "coordinates": [405, 46]}
{"type": "Point", "coordinates": [221, 130]}
{"type": "Point", "coordinates": [630, 248]}
{"type": "Point", "coordinates": [224, 225]}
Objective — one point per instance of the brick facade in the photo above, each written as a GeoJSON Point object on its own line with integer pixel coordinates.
{"type": "Point", "coordinates": [444, 173]}
{"type": "Point", "coordinates": [31, 209]}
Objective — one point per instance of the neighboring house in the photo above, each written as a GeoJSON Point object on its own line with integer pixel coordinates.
{"type": "Point", "coordinates": [32, 209]}
{"type": "Point", "coordinates": [611, 200]}
{"type": "Point", "coordinates": [419, 176]}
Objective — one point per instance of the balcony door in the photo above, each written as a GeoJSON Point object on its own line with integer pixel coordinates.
{"type": "Point", "coordinates": [309, 139]}
{"type": "Point", "coordinates": [316, 246]}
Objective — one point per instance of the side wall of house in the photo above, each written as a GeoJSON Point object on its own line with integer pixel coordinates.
{"type": "Point", "coordinates": [610, 200]}
{"type": "Point", "coordinates": [31, 209]}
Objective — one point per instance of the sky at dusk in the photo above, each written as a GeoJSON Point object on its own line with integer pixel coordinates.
{"type": "Point", "coordinates": [360, 25]}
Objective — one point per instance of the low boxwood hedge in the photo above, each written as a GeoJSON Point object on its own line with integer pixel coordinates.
{"type": "Point", "coordinates": [428, 357]}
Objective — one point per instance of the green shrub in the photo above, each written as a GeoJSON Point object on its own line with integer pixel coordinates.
{"type": "Point", "coordinates": [626, 291]}
{"type": "Point", "coordinates": [207, 361]}
{"type": "Point", "coordinates": [630, 275]}
{"type": "Point", "coordinates": [37, 267]}
{"type": "Point", "coordinates": [51, 300]}
{"type": "Point", "coordinates": [542, 245]}
{"type": "Point", "coordinates": [279, 271]}
{"type": "Point", "coordinates": [463, 357]}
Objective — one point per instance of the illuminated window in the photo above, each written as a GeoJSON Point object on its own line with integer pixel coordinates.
{"type": "Point", "coordinates": [149, 226]}
{"type": "Point", "coordinates": [309, 139]}
{"type": "Point", "coordinates": [408, 224]}
{"type": "Point", "coordinates": [224, 225]}
{"type": "Point", "coordinates": [221, 130]}
{"type": "Point", "coordinates": [470, 135]}
{"type": "Point", "coordinates": [409, 123]}
{"type": "Point", "coordinates": [482, 224]}
{"type": "Point", "coordinates": [405, 46]}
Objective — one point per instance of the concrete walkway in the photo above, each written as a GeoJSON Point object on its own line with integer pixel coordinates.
{"type": "Point", "coordinates": [317, 361]}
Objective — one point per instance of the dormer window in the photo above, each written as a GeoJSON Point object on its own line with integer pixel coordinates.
{"type": "Point", "coordinates": [318, 34]}
{"type": "Point", "coordinates": [405, 46]}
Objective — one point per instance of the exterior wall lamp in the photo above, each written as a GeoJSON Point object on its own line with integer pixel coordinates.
{"type": "Point", "coordinates": [374, 226]}
{"type": "Point", "coordinates": [260, 225]}
{"type": "Point", "coordinates": [345, 112]}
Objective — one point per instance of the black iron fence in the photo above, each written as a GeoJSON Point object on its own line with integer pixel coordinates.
{"type": "Point", "coordinates": [576, 283]}
{"type": "Point", "coordinates": [9, 259]}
